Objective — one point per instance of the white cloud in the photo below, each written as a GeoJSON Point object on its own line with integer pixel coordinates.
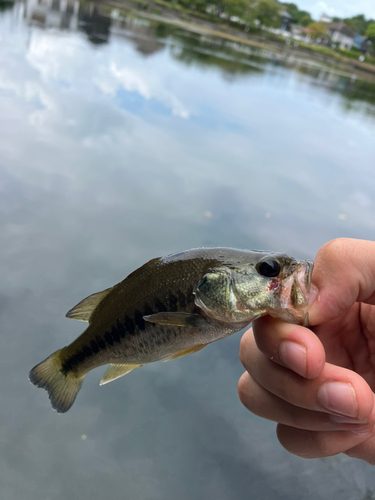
{"type": "Point", "coordinates": [63, 59]}
{"type": "Point", "coordinates": [134, 80]}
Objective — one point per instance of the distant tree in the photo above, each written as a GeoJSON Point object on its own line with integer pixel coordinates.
{"type": "Point", "coordinates": [304, 18]}
{"type": "Point", "coordinates": [237, 8]}
{"type": "Point", "coordinates": [292, 9]}
{"type": "Point", "coordinates": [318, 30]}
{"type": "Point", "coordinates": [301, 17]}
{"type": "Point", "coordinates": [4, 5]}
{"type": "Point", "coordinates": [370, 32]}
{"type": "Point", "coordinates": [268, 14]}
{"type": "Point", "coordinates": [359, 23]}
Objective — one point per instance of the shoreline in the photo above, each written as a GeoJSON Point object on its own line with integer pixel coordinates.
{"type": "Point", "coordinates": [183, 19]}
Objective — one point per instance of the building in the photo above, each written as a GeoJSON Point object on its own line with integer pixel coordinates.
{"type": "Point", "coordinates": [325, 19]}
{"type": "Point", "coordinates": [362, 43]}
{"type": "Point", "coordinates": [53, 13]}
{"type": "Point", "coordinates": [342, 35]}
{"type": "Point", "coordinates": [286, 20]}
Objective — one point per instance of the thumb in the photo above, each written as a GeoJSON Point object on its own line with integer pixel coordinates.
{"type": "Point", "coordinates": [344, 273]}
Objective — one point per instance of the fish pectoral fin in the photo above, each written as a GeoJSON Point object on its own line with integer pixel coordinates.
{"type": "Point", "coordinates": [117, 371]}
{"type": "Point", "coordinates": [175, 319]}
{"type": "Point", "coordinates": [83, 310]}
{"type": "Point", "coordinates": [185, 352]}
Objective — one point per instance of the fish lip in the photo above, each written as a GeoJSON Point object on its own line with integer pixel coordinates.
{"type": "Point", "coordinates": [295, 292]}
{"type": "Point", "coordinates": [304, 273]}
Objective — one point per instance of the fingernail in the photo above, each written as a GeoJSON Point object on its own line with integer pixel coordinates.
{"type": "Point", "coordinates": [314, 292]}
{"type": "Point", "coordinates": [338, 397]}
{"type": "Point", "coordinates": [337, 419]}
{"type": "Point", "coordinates": [293, 356]}
{"type": "Point", "coordinates": [362, 432]}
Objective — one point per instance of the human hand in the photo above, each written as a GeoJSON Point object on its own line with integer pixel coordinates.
{"type": "Point", "coordinates": [318, 384]}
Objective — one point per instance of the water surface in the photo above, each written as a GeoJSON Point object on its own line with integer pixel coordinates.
{"type": "Point", "coordinates": [122, 140]}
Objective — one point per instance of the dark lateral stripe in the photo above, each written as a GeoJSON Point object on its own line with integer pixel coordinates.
{"type": "Point", "coordinates": [181, 299]}
{"type": "Point", "coordinates": [77, 359]}
{"type": "Point", "coordinates": [172, 302]}
{"type": "Point", "coordinates": [118, 331]}
{"type": "Point", "coordinates": [94, 346]}
{"type": "Point", "coordinates": [139, 321]}
{"type": "Point", "coordinates": [87, 351]}
{"type": "Point", "coordinates": [116, 334]}
{"type": "Point", "coordinates": [129, 325]}
{"type": "Point", "coordinates": [159, 306]}
{"type": "Point", "coordinates": [101, 343]}
{"type": "Point", "coordinates": [108, 337]}
{"type": "Point", "coordinates": [147, 310]}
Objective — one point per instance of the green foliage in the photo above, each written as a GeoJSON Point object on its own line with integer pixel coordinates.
{"type": "Point", "coordinates": [4, 5]}
{"type": "Point", "coordinates": [292, 9]}
{"type": "Point", "coordinates": [318, 30]}
{"type": "Point", "coordinates": [268, 14]}
{"type": "Point", "coordinates": [194, 4]}
{"type": "Point", "coordinates": [304, 19]}
{"type": "Point", "coordinates": [301, 17]}
{"type": "Point", "coordinates": [236, 7]}
{"type": "Point", "coordinates": [352, 53]}
{"type": "Point", "coordinates": [370, 32]}
{"type": "Point", "coordinates": [357, 23]}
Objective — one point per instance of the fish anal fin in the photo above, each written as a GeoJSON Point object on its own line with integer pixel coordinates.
{"type": "Point", "coordinates": [84, 309]}
{"type": "Point", "coordinates": [185, 352]}
{"type": "Point", "coordinates": [176, 319]}
{"type": "Point", "coordinates": [116, 371]}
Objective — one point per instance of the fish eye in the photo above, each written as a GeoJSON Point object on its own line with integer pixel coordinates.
{"type": "Point", "coordinates": [269, 268]}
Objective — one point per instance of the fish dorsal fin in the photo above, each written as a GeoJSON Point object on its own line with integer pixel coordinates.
{"type": "Point", "coordinates": [184, 352]}
{"type": "Point", "coordinates": [117, 371]}
{"type": "Point", "coordinates": [85, 308]}
{"type": "Point", "coordinates": [175, 319]}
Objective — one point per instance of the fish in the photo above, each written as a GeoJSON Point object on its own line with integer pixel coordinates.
{"type": "Point", "coordinates": [171, 307]}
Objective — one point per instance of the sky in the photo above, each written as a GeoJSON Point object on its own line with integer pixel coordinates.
{"type": "Point", "coordinates": [338, 8]}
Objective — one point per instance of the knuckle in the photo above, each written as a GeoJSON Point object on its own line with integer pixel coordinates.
{"type": "Point", "coordinates": [242, 389]}
{"type": "Point", "coordinates": [284, 390]}
{"type": "Point", "coordinates": [284, 436]}
{"type": "Point", "coordinates": [244, 349]}
{"type": "Point", "coordinates": [247, 396]}
{"type": "Point", "coordinates": [290, 439]}
{"type": "Point", "coordinates": [295, 420]}
{"type": "Point", "coordinates": [321, 444]}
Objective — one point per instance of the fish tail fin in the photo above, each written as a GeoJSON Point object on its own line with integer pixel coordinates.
{"type": "Point", "coordinates": [62, 387]}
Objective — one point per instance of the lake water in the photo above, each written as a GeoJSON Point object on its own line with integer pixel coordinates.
{"type": "Point", "coordinates": [122, 140]}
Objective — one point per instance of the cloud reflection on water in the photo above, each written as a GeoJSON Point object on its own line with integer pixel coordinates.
{"type": "Point", "coordinates": [90, 189]}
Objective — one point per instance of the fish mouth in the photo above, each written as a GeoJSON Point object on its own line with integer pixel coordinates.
{"type": "Point", "coordinates": [295, 293]}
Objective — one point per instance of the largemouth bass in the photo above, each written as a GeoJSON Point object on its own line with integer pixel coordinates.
{"type": "Point", "coordinates": [171, 307]}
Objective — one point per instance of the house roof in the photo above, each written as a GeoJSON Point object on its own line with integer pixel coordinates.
{"type": "Point", "coordinates": [285, 14]}
{"type": "Point", "coordinates": [341, 28]}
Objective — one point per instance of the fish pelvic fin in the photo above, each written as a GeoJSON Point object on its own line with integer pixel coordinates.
{"type": "Point", "coordinates": [184, 352]}
{"type": "Point", "coordinates": [84, 309]}
{"type": "Point", "coordinates": [62, 387]}
{"type": "Point", "coordinates": [116, 371]}
{"type": "Point", "coordinates": [176, 319]}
